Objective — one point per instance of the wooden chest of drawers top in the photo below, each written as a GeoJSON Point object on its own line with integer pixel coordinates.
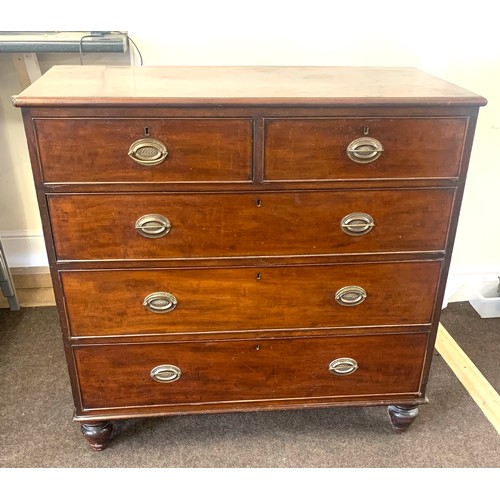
{"type": "Point", "coordinates": [113, 86]}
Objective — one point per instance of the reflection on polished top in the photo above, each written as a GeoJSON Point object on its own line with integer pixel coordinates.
{"type": "Point", "coordinates": [177, 85]}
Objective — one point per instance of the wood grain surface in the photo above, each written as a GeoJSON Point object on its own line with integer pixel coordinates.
{"type": "Point", "coordinates": [111, 302]}
{"type": "Point", "coordinates": [88, 150]}
{"type": "Point", "coordinates": [303, 149]}
{"type": "Point", "coordinates": [119, 375]}
{"type": "Point", "coordinates": [257, 224]}
{"type": "Point", "coordinates": [229, 85]}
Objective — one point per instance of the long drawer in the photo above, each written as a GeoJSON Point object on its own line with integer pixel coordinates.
{"type": "Point", "coordinates": [153, 226]}
{"type": "Point", "coordinates": [201, 372]}
{"type": "Point", "coordinates": [380, 148]}
{"type": "Point", "coordinates": [228, 299]}
{"type": "Point", "coordinates": [81, 150]}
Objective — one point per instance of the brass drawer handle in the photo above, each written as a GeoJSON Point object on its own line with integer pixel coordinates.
{"type": "Point", "coordinates": [148, 152]}
{"type": "Point", "coordinates": [364, 150]}
{"type": "Point", "coordinates": [153, 226]}
{"type": "Point", "coordinates": [166, 373]}
{"type": "Point", "coordinates": [357, 224]}
{"type": "Point", "coordinates": [343, 366]}
{"type": "Point", "coordinates": [160, 302]}
{"type": "Point", "coordinates": [350, 295]}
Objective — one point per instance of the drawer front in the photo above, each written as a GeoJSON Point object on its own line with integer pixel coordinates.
{"type": "Point", "coordinates": [97, 150]}
{"type": "Point", "coordinates": [120, 375]}
{"type": "Point", "coordinates": [260, 224]}
{"type": "Point", "coordinates": [316, 149]}
{"type": "Point", "coordinates": [120, 302]}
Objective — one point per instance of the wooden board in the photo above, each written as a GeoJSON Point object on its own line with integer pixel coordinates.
{"type": "Point", "coordinates": [472, 379]}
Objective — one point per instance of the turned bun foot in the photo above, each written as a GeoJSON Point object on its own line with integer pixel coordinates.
{"type": "Point", "coordinates": [402, 416]}
{"type": "Point", "coordinates": [97, 434]}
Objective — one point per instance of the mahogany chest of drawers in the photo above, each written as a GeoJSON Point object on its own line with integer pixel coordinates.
{"type": "Point", "coordinates": [230, 239]}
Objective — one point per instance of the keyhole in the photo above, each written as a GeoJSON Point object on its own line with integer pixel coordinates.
{"type": "Point", "coordinates": [366, 130]}
{"type": "Point", "coordinates": [259, 203]}
{"type": "Point", "coordinates": [257, 347]}
{"type": "Point", "coordinates": [258, 277]}
{"type": "Point", "coordinates": [146, 131]}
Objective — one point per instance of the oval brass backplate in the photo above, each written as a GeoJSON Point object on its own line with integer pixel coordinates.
{"type": "Point", "coordinates": [350, 295]}
{"type": "Point", "coordinates": [148, 152]}
{"type": "Point", "coordinates": [160, 302]}
{"type": "Point", "coordinates": [364, 150]}
{"type": "Point", "coordinates": [153, 225]}
{"type": "Point", "coordinates": [165, 373]}
{"type": "Point", "coordinates": [343, 366]}
{"type": "Point", "coordinates": [357, 224]}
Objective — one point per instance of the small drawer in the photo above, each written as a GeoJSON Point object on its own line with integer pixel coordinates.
{"type": "Point", "coordinates": [125, 302]}
{"type": "Point", "coordinates": [157, 226]}
{"type": "Point", "coordinates": [225, 372]}
{"type": "Point", "coordinates": [81, 150]}
{"type": "Point", "coordinates": [321, 149]}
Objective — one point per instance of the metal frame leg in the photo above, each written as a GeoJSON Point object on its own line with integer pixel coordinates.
{"type": "Point", "coordinates": [6, 283]}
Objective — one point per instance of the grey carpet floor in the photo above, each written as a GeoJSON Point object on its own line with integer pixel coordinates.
{"type": "Point", "coordinates": [36, 428]}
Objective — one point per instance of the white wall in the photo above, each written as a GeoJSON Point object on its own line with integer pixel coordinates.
{"type": "Point", "coordinates": [451, 39]}
{"type": "Point", "coordinates": [20, 226]}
